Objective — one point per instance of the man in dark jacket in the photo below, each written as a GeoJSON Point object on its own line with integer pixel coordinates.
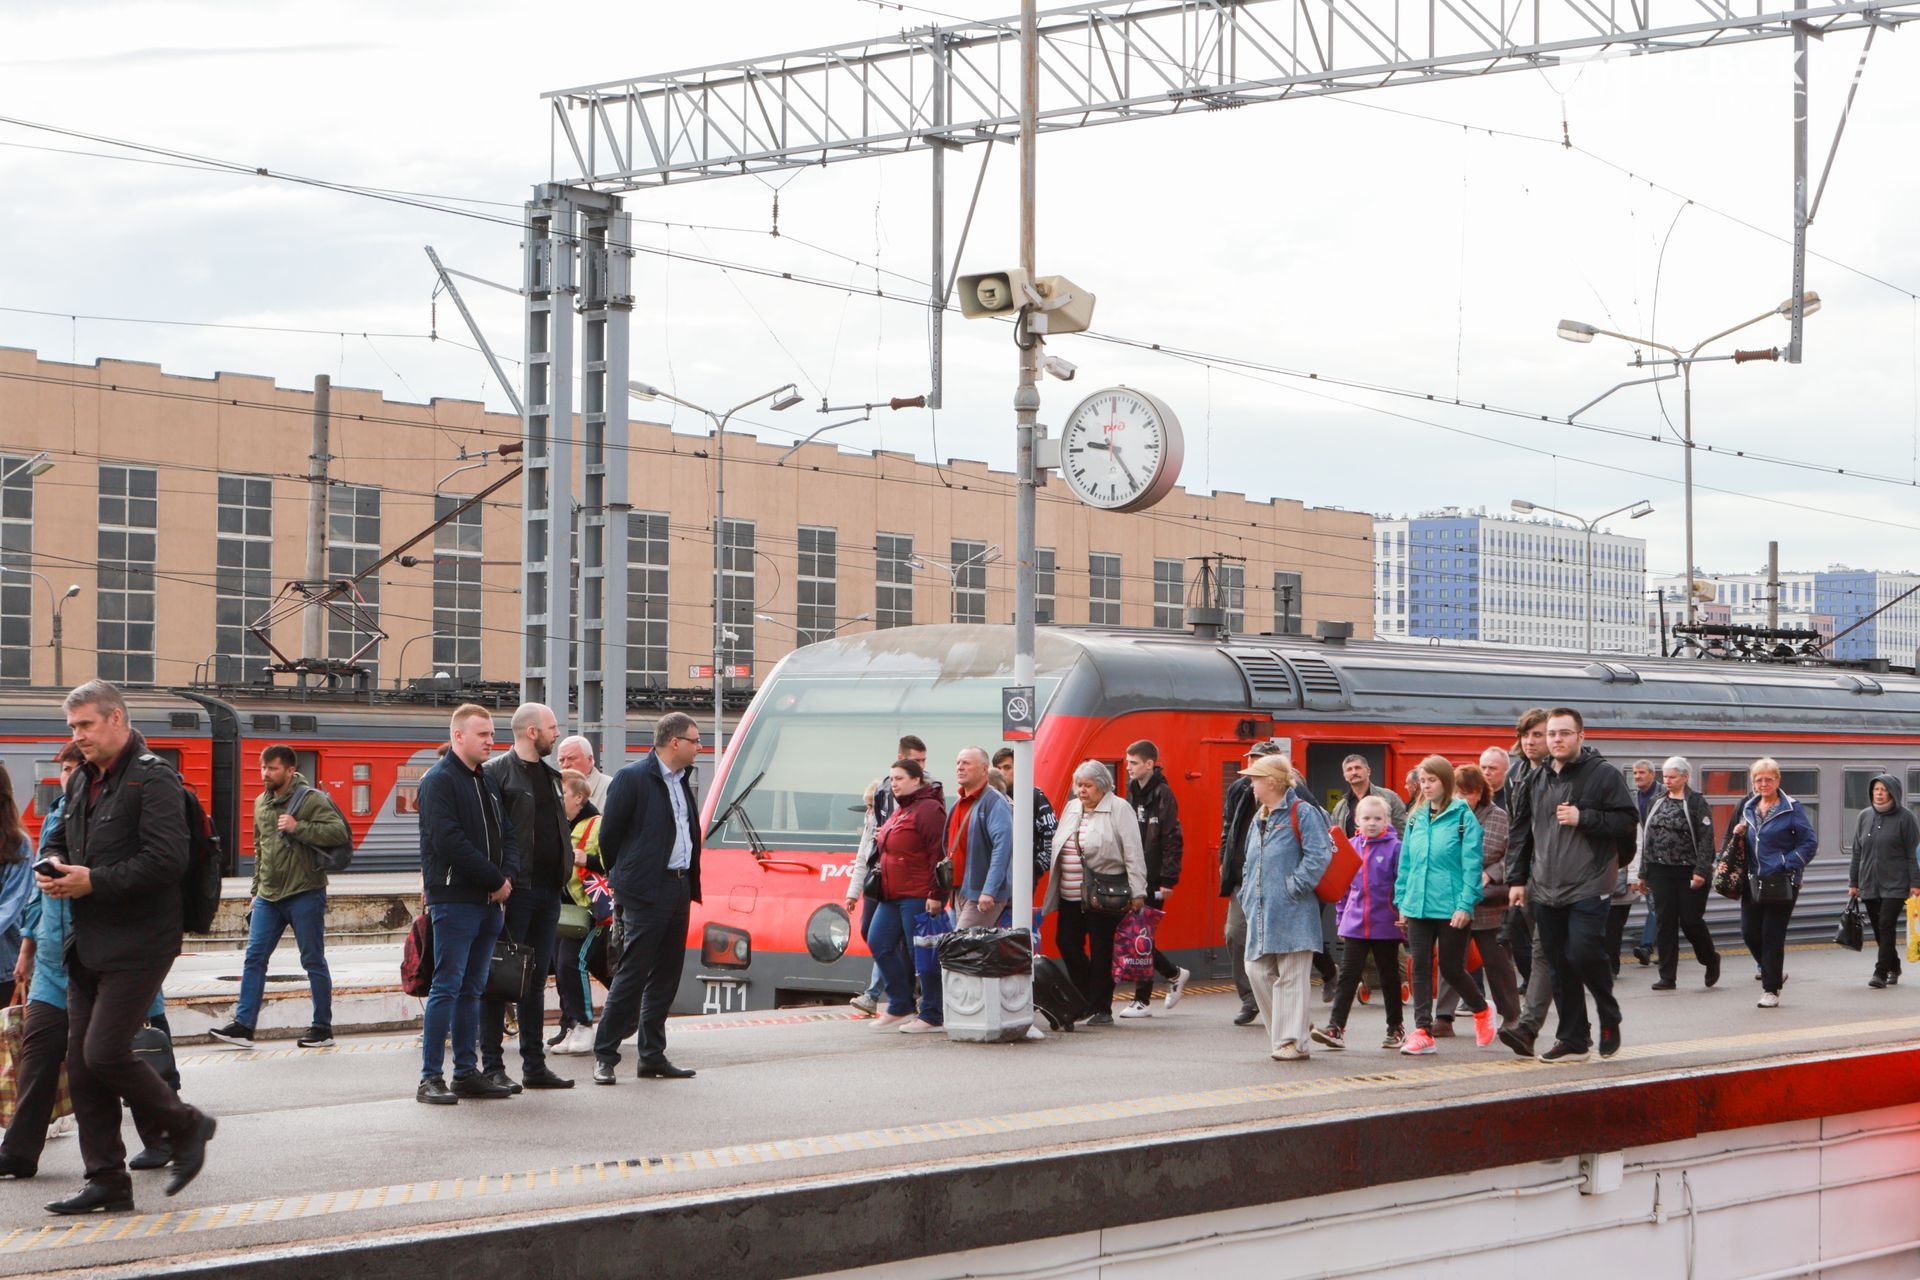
{"type": "Point", "coordinates": [123, 850]}
{"type": "Point", "coordinates": [536, 814]}
{"type": "Point", "coordinates": [1164, 848]}
{"type": "Point", "coordinates": [650, 837]}
{"type": "Point", "coordinates": [469, 862]}
{"type": "Point", "coordinates": [1572, 830]}
{"type": "Point", "coordinates": [1884, 871]}
{"type": "Point", "coordinates": [1235, 817]}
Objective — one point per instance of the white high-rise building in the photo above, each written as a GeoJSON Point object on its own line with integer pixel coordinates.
{"type": "Point", "coordinates": [1460, 575]}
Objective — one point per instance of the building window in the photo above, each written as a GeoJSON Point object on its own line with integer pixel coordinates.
{"type": "Point", "coordinates": [818, 591]}
{"type": "Point", "coordinates": [1233, 593]}
{"type": "Point", "coordinates": [1286, 603]}
{"type": "Point", "coordinates": [1168, 594]}
{"type": "Point", "coordinates": [647, 600]}
{"type": "Point", "coordinates": [353, 543]}
{"type": "Point", "coordinates": [16, 585]}
{"type": "Point", "coordinates": [129, 521]}
{"type": "Point", "coordinates": [737, 592]}
{"type": "Point", "coordinates": [243, 579]}
{"type": "Point", "coordinates": [892, 581]}
{"type": "Point", "coordinates": [1103, 589]}
{"type": "Point", "coordinates": [969, 581]}
{"type": "Point", "coordinates": [1044, 610]}
{"type": "Point", "coordinates": [456, 590]}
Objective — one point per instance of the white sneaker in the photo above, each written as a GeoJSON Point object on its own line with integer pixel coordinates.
{"type": "Point", "coordinates": [64, 1127]}
{"type": "Point", "coordinates": [920, 1027]}
{"type": "Point", "coordinates": [865, 1003]}
{"type": "Point", "coordinates": [1178, 988]}
{"type": "Point", "coordinates": [1035, 1033]}
{"type": "Point", "coordinates": [884, 1021]}
{"type": "Point", "coordinates": [1769, 1000]}
{"type": "Point", "coordinates": [1138, 1009]}
{"type": "Point", "coordinates": [578, 1041]}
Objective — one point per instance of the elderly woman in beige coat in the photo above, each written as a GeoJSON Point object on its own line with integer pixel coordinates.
{"type": "Point", "coordinates": [1097, 833]}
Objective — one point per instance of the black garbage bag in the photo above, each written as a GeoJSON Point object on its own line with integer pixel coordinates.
{"type": "Point", "coordinates": [987, 953]}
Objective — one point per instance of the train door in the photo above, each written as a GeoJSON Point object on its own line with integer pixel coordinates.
{"type": "Point", "coordinates": [1326, 760]}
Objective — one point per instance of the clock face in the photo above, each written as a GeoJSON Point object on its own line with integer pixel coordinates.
{"type": "Point", "coordinates": [1121, 450]}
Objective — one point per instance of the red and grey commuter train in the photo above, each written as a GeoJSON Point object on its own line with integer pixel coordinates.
{"type": "Point", "coordinates": [824, 725]}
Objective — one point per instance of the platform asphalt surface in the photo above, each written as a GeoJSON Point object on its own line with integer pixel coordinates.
{"type": "Point", "coordinates": [323, 1144]}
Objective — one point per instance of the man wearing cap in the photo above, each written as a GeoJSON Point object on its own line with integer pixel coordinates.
{"type": "Point", "coordinates": [1235, 817]}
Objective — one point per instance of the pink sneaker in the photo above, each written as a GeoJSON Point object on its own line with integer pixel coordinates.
{"type": "Point", "coordinates": [1418, 1042]}
{"type": "Point", "coordinates": [1483, 1028]}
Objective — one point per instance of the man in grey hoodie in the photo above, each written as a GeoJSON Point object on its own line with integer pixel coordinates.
{"type": "Point", "coordinates": [1885, 870]}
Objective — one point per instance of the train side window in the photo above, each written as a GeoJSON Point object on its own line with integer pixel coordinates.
{"type": "Point", "coordinates": [1913, 791]}
{"type": "Point", "coordinates": [170, 754]}
{"type": "Point", "coordinates": [308, 763]}
{"type": "Point", "coordinates": [46, 787]}
{"type": "Point", "coordinates": [362, 790]}
{"type": "Point", "coordinates": [406, 787]}
{"type": "Point", "coordinates": [1856, 797]}
{"type": "Point", "coordinates": [1723, 788]}
{"type": "Point", "coordinates": [1804, 786]}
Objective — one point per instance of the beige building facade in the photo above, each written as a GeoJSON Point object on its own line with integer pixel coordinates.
{"type": "Point", "coordinates": [179, 507]}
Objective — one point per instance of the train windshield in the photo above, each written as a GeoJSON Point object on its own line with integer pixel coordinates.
{"type": "Point", "coordinates": [816, 743]}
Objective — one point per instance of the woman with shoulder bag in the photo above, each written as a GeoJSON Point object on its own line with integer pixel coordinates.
{"type": "Point", "coordinates": [1676, 857]}
{"type": "Point", "coordinates": [908, 845]}
{"type": "Point", "coordinates": [1289, 848]}
{"type": "Point", "coordinates": [1780, 844]}
{"type": "Point", "coordinates": [1099, 874]}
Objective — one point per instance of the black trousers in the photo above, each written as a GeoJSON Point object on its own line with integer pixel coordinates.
{"type": "Point", "coordinates": [532, 916]}
{"type": "Point", "coordinates": [103, 1012]}
{"type": "Point", "coordinates": [1573, 939]}
{"type": "Point", "coordinates": [44, 1050]}
{"type": "Point", "coordinates": [1885, 915]}
{"type": "Point", "coordinates": [1617, 931]}
{"type": "Point", "coordinates": [648, 976]}
{"type": "Point", "coordinates": [1424, 937]}
{"type": "Point", "coordinates": [1763, 927]}
{"type": "Point", "coordinates": [1678, 908]}
{"type": "Point", "coordinates": [1354, 953]}
{"type": "Point", "coordinates": [1078, 931]}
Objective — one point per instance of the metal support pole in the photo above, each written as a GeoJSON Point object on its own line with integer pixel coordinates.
{"type": "Point", "coordinates": [1026, 404]}
{"type": "Point", "coordinates": [1686, 418]}
{"type": "Point", "coordinates": [1773, 586]}
{"type": "Point", "coordinates": [1663, 623]}
{"type": "Point", "coordinates": [547, 424]}
{"type": "Point", "coordinates": [937, 308]}
{"type": "Point", "coordinates": [486, 348]}
{"type": "Point", "coordinates": [606, 304]}
{"type": "Point", "coordinates": [1589, 590]}
{"type": "Point", "coordinates": [313, 623]}
{"type": "Point", "coordinates": [719, 581]}
{"type": "Point", "coordinates": [1799, 189]}
{"type": "Point", "coordinates": [59, 650]}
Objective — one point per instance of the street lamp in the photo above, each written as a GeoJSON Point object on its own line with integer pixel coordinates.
{"type": "Point", "coordinates": [59, 604]}
{"type": "Point", "coordinates": [1579, 331]}
{"type": "Point", "coordinates": [399, 668]}
{"type": "Point", "coordinates": [38, 465]}
{"type": "Point", "coordinates": [1635, 510]}
{"type": "Point", "coordinates": [784, 396]}
{"type": "Point", "coordinates": [767, 617]}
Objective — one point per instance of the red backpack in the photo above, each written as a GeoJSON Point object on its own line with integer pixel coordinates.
{"type": "Point", "coordinates": [416, 958]}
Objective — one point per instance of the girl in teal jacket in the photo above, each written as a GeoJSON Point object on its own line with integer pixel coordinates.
{"type": "Point", "coordinates": [1435, 894]}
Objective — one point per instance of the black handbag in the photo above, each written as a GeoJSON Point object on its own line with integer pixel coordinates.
{"type": "Point", "coordinates": [1776, 886]}
{"type": "Point", "coordinates": [154, 1047]}
{"type": "Point", "coordinates": [1730, 873]}
{"type": "Point", "coordinates": [1852, 933]}
{"type": "Point", "coordinates": [874, 886]}
{"type": "Point", "coordinates": [511, 975]}
{"type": "Point", "coordinates": [616, 942]}
{"type": "Point", "coordinates": [1104, 892]}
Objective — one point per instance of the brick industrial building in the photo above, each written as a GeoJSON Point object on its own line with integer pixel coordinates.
{"type": "Point", "coordinates": [178, 506]}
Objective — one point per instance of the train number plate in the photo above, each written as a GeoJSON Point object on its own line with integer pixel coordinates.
{"type": "Point", "coordinates": [723, 995]}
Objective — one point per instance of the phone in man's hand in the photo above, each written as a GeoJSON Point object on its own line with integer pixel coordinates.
{"type": "Point", "coordinates": [49, 867]}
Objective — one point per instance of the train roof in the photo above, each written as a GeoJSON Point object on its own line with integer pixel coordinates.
{"type": "Point", "coordinates": [1108, 671]}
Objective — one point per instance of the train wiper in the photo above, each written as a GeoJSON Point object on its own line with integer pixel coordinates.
{"type": "Point", "coordinates": [737, 810]}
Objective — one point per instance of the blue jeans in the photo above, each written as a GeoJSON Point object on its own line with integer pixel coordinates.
{"type": "Point", "coordinates": [307, 914]}
{"type": "Point", "coordinates": [888, 937]}
{"type": "Point", "coordinates": [463, 937]}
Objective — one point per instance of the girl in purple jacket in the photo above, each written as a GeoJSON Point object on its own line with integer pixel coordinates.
{"type": "Point", "coordinates": [1367, 927]}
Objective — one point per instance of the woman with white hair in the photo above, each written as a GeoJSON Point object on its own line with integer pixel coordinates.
{"type": "Point", "coordinates": [1098, 836]}
{"type": "Point", "coordinates": [1676, 862]}
{"type": "Point", "coordinates": [1288, 849]}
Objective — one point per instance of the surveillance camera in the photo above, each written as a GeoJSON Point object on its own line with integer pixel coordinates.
{"type": "Point", "coordinates": [1059, 368]}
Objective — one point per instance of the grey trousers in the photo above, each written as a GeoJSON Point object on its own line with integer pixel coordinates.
{"type": "Point", "coordinates": [1237, 950]}
{"type": "Point", "coordinates": [1539, 997]}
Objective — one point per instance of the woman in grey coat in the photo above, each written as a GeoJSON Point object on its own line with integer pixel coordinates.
{"type": "Point", "coordinates": [1885, 871]}
{"type": "Point", "coordinates": [1288, 849]}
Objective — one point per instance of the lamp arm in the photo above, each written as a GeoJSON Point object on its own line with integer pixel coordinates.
{"type": "Point", "coordinates": [1648, 342]}
{"type": "Point", "coordinates": [1744, 324]}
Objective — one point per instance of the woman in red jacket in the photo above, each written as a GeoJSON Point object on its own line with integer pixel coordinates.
{"type": "Point", "coordinates": [909, 846]}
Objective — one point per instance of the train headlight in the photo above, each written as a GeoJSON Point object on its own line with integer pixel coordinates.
{"type": "Point", "coordinates": [724, 948]}
{"type": "Point", "coordinates": [828, 932]}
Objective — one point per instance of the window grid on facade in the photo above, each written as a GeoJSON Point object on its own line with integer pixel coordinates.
{"type": "Point", "coordinates": [1103, 589]}
{"type": "Point", "coordinates": [892, 581]}
{"type": "Point", "coordinates": [647, 600]}
{"type": "Point", "coordinates": [129, 521]}
{"type": "Point", "coordinates": [1169, 586]}
{"type": "Point", "coordinates": [456, 590]}
{"type": "Point", "coordinates": [16, 585]}
{"type": "Point", "coordinates": [1233, 594]}
{"type": "Point", "coordinates": [1286, 603]}
{"type": "Point", "coordinates": [243, 578]}
{"type": "Point", "coordinates": [1044, 608]}
{"type": "Point", "coordinates": [353, 543]}
{"type": "Point", "coordinates": [818, 591]}
{"type": "Point", "coordinates": [737, 591]}
{"type": "Point", "coordinates": [969, 581]}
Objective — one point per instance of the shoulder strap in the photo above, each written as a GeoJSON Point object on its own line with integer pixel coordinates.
{"type": "Point", "coordinates": [293, 801]}
{"type": "Point", "coordinates": [1293, 811]}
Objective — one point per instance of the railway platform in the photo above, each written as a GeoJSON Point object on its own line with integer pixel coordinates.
{"type": "Point", "coordinates": [810, 1143]}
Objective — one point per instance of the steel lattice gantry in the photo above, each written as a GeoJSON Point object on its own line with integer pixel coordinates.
{"type": "Point", "coordinates": [936, 88]}
{"type": "Point", "coordinates": [1104, 63]}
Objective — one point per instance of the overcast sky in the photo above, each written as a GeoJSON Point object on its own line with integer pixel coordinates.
{"type": "Point", "coordinates": [1326, 234]}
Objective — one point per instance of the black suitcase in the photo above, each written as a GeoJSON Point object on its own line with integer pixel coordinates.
{"type": "Point", "coordinates": [1054, 994]}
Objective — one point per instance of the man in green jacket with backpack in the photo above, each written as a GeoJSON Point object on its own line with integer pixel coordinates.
{"type": "Point", "coordinates": [298, 836]}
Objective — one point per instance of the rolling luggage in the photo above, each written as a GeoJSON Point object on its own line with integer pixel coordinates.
{"type": "Point", "coordinates": [1054, 994]}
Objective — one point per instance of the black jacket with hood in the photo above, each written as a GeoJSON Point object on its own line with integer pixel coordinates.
{"type": "Point", "coordinates": [1598, 846]}
{"type": "Point", "coordinates": [1160, 839]}
{"type": "Point", "coordinates": [1886, 848]}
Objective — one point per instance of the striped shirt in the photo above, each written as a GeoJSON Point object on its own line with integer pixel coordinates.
{"type": "Point", "coordinates": [1069, 867]}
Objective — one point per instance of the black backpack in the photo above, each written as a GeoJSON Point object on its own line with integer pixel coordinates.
{"type": "Point", "coordinates": [200, 887]}
{"type": "Point", "coordinates": [327, 858]}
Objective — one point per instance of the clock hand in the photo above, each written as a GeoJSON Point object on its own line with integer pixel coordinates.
{"type": "Point", "coordinates": [1098, 444]}
{"type": "Point", "coordinates": [1125, 470]}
